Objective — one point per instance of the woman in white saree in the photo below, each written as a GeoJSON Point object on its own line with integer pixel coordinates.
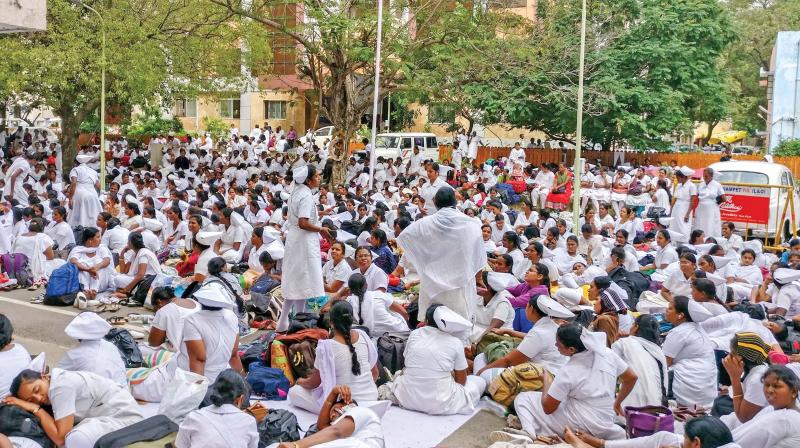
{"type": "Point", "coordinates": [643, 354]}
{"type": "Point", "coordinates": [746, 276]}
{"type": "Point", "coordinates": [94, 262]}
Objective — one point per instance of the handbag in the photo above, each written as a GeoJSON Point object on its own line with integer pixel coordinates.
{"type": "Point", "coordinates": [648, 420]}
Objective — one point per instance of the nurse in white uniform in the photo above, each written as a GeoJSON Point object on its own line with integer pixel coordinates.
{"type": "Point", "coordinates": [582, 395]}
{"type": "Point", "coordinates": [302, 263]}
{"type": "Point", "coordinates": [685, 194]}
{"type": "Point", "coordinates": [435, 380]}
{"type": "Point", "coordinates": [493, 310]}
{"type": "Point", "coordinates": [705, 432]}
{"type": "Point", "coordinates": [776, 426]}
{"type": "Point", "coordinates": [690, 353]}
{"type": "Point", "coordinates": [83, 194]}
{"type": "Point", "coordinates": [344, 424]}
{"type": "Point", "coordinates": [349, 358]}
{"type": "Point", "coordinates": [85, 406]}
{"type": "Point", "coordinates": [223, 424]}
{"type": "Point", "coordinates": [211, 335]}
{"type": "Point", "coordinates": [538, 345]}
{"type": "Point", "coordinates": [375, 310]}
{"type": "Point", "coordinates": [93, 353]}
{"type": "Point", "coordinates": [707, 215]}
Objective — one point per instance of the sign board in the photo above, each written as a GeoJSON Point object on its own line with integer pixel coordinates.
{"type": "Point", "coordinates": [745, 204]}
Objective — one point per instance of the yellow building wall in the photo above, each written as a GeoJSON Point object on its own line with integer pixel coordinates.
{"type": "Point", "coordinates": [295, 113]}
{"type": "Point", "coordinates": [507, 134]}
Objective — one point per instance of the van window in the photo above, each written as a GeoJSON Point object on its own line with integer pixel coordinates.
{"type": "Point", "coordinates": [786, 179]}
{"type": "Point", "coordinates": [431, 142]}
{"type": "Point", "coordinates": [387, 142]}
{"type": "Point", "coordinates": [419, 141]}
{"type": "Point", "coordinates": [745, 177]}
{"type": "Point", "coordinates": [406, 142]}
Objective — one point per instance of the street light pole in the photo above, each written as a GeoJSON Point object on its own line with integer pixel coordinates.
{"type": "Point", "coordinates": [376, 95]}
{"type": "Point", "coordinates": [102, 96]}
{"type": "Point", "coordinates": [577, 169]}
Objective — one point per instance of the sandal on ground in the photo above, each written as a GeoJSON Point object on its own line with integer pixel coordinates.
{"type": "Point", "coordinates": [112, 307]}
{"type": "Point", "coordinates": [34, 287]}
{"type": "Point", "coordinates": [81, 301]}
{"type": "Point", "coordinates": [117, 320]}
{"type": "Point", "coordinates": [37, 299]}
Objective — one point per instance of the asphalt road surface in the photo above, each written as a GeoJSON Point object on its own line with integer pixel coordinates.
{"type": "Point", "coordinates": [40, 328]}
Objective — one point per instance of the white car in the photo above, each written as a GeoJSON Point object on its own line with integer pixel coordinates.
{"type": "Point", "coordinates": [762, 210]}
{"type": "Point", "coordinates": [321, 135]}
{"type": "Point", "coordinates": [401, 144]}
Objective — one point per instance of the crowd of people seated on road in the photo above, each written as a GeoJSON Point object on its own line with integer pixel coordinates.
{"type": "Point", "coordinates": [437, 287]}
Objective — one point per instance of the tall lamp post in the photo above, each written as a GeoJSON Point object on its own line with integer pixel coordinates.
{"type": "Point", "coordinates": [376, 95]}
{"type": "Point", "coordinates": [576, 190]}
{"type": "Point", "coordinates": [102, 95]}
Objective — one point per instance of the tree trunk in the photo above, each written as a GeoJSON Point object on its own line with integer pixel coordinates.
{"type": "Point", "coordinates": [71, 120]}
{"type": "Point", "coordinates": [711, 126]}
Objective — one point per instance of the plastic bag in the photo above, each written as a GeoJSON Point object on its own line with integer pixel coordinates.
{"type": "Point", "coordinates": [183, 395]}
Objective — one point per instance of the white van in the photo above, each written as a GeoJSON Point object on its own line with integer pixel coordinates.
{"type": "Point", "coordinates": [756, 208]}
{"type": "Point", "coordinates": [401, 144]}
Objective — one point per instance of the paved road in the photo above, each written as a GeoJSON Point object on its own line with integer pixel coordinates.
{"type": "Point", "coordinates": [40, 328]}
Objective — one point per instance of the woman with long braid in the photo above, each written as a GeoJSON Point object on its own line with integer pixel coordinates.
{"type": "Point", "coordinates": [348, 357]}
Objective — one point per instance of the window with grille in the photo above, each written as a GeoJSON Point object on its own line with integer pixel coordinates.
{"type": "Point", "coordinates": [230, 108]}
{"type": "Point", "coordinates": [275, 110]}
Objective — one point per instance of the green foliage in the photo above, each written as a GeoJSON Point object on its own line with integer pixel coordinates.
{"type": "Point", "coordinates": [91, 125]}
{"type": "Point", "coordinates": [789, 147]}
{"type": "Point", "coordinates": [400, 115]}
{"type": "Point", "coordinates": [755, 24]}
{"type": "Point", "coordinates": [152, 123]}
{"type": "Point", "coordinates": [470, 49]}
{"type": "Point", "coordinates": [159, 48]}
{"type": "Point", "coordinates": [216, 127]}
{"type": "Point", "coordinates": [649, 64]}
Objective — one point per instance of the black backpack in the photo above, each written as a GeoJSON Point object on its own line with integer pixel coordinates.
{"type": "Point", "coordinates": [150, 429]}
{"type": "Point", "coordinates": [142, 288]}
{"type": "Point", "coordinates": [391, 353]}
{"type": "Point", "coordinates": [127, 346]}
{"type": "Point", "coordinates": [278, 426]}
{"type": "Point", "coordinates": [17, 422]}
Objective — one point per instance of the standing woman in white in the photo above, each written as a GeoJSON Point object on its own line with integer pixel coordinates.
{"type": "Point", "coordinates": [472, 151]}
{"type": "Point", "coordinates": [682, 205]}
{"type": "Point", "coordinates": [707, 215]}
{"type": "Point", "coordinates": [302, 262]}
{"type": "Point", "coordinates": [462, 138]}
{"type": "Point", "coordinates": [83, 196]}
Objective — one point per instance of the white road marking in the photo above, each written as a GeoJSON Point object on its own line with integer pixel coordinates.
{"type": "Point", "coordinates": [39, 307]}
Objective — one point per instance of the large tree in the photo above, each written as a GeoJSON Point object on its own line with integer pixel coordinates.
{"type": "Point", "coordinates": [471, 48]}
{"type": "Point", "coordinates": [336, 44]}
{"type": "Point", "coordinates": [755, 23]}
{"type": "Point", "coordinates": [647, 61]}
{"type": "Point", "coordinates": [154, 51]}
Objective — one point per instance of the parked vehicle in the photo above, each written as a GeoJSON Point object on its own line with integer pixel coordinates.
{"type": "Point", "coordinates": [755, 207]}
{"type": "Point", "coordinates": [321, 135]}
{"type": "Point", "coordinates": [400, 144]}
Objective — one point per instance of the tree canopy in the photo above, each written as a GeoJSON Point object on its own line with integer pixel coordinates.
{"type": "Point", "coordinates": [155, 51]}
{"type": "Point", "coordinates": [649, 66]}
{"type": "Point", "coordinates": [756, 22]}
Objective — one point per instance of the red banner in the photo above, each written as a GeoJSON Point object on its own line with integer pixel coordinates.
{"type": "Point", "coordinates": [745, 205]}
